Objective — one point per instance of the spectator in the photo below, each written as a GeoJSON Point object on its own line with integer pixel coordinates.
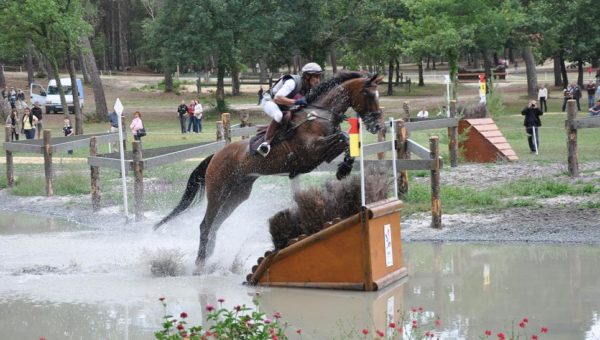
{"type": "Point", "coordinates": [199, 114]}
{"type": "Point", "coordinates": [191, 115]}
{"type": "Point", "coordinates": [443, 112]}
{"type": "Point", "coordinates": [532, 123]}
{"type": "Point", "coordinates": [37, 112]}
{"type": "Point", "coordinates": [182, 111]}
{"type": "Point", "coordinates": [260, 95]}
{"type": "Point", "coordinates": [113, 126]}
{"type": "Point", "coordinates": [423, 113]}
{"type": "Point", "coordinates": [68, 131]}
{"type": "Point", "coordinates": [591, 90]}
{"type": "Point", "coordinates": [29, 122]}
{"type": "Point", "coordinates": [542, 97]}
{"type": "Point", "coordinates": [137, 126]}
{"type": "Point", "coordinates": [12, 98]}
{"type": "Point", "coordinates": [14, 123]}
{"type": "Point", "coordinates": [21, 99]}
{"type": "Point", "coordinates": [595, 110]}
{"type": "Point", "coordinates": [568, 94]}
{"type": "Point", "coordinates": [577, 95]}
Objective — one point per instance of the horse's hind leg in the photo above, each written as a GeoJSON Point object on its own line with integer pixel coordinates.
{"type": "Point", "coordinates": [217, 210]}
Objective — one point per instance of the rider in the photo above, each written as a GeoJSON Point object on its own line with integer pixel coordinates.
{"type": "Point", "coordinates": [288, 90]}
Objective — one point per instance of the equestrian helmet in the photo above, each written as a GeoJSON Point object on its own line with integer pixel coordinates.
{"type": "Point", "coordinates": [311, 68]}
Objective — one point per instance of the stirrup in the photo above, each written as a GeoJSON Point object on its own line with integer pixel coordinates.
{"type": "Point", "coordinates": [263, 149]}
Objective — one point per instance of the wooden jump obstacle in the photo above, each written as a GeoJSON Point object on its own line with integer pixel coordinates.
{"type": "Point", "coordinates": [372, 260]}
{"type": "Point", "coordinates": [485, 142]}
{"type": "Point", "coordinates": [572, 124]}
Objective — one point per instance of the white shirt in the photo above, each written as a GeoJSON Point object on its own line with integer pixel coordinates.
{"type": "Point", "coordinates": [423, 114]}
{"type": "Point", "coordinates": [287, 88]}
{"type": "Point", "coordinates": [198, 110]}
{"type": "Point", "coordinates": [543, 93]}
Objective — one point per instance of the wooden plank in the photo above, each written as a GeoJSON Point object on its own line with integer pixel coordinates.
{"type": "Point", "coordinates": [377, 147]}
{"type": "Point", "coordinates": [431, 124]}
{"type": "Point", "coordinates": [510, 152]}
{"type": "Point", "coordinates": [488, 127]}
{"type": "Point", "coordinates": [417, 149]}
{"type": "Point", "coordinates": [22, 147]}
{"type": "Point", "coordinates": [480, 121]}
{"type": "Point", "coordinates": [590, 122]}
{"type": "Point", "coordinates": [105, 162]}
{"type": "Point", "coordinates": [491, 134]}
{"type": "Point", "coordinates": [503, 146]}
{"type": "Point", "coordinates": [401, 164]}
{"type": "Point", "coordinates": [244, 131]}
{"type": "Point", "coordinates": [498, 140]}
{"type": "Point", "coordinates": [198, 151]}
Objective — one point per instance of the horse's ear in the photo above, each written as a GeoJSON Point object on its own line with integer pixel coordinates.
{"type": "Point", "coordinates": [374, 80]}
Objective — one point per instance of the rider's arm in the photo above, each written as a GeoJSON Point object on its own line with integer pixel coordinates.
{"type": "Point", "coordinates": [281, 95]}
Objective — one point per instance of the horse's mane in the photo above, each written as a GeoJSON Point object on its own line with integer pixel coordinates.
{"type": "Point", "coordinates": [324, 87]}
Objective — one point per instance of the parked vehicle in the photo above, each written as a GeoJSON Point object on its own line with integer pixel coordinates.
{"type": "Point", "coordinates": [50, 98]}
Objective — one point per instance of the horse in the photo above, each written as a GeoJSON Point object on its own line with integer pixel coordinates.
{"type": "Point", "coordinates": [227, 176]}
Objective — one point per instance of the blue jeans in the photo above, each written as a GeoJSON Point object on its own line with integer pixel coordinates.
{"type": "Point", "coordinates": [190, 123]}
{"type": "Point", "coordinates": [30, 134]}
{"type": "Point", "coordinates": [590, 101]}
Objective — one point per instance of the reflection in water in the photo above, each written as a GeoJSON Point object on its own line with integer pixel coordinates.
{"type": "Point", "coordinates": [108, 295]}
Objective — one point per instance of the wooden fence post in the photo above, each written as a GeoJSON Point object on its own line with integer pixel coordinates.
{"type": "Point", "coordinates": [48, 162]}
{"type": "Point", "coordinates": [244, 118]}
{"type": "Point", "coordinates": [138, 180]}
{"type": "Point", "coordinates": [10, 174]}
{"type": "Point", "coordinates": [220, 132]}
{"type": "Point", "coordinates": [124, 141]}
{"type": "Point", "coordinates": [401, 153]}
{"type": "Point", "coordinates": [453, 137]}
{"type": "Point", "coordinates": [95, 176]}
{"type": "Point", "coordinates": [226, 119]}
{"type": "Point", "coordinates": [436, 205]}
{"type": "Point", "coordinates": [572, 139]}
{"type": "Point", "coordinates": [381, 135]}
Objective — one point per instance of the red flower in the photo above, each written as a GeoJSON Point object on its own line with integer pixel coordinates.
{"type": "Point", "coordinates": [438, 322]}
{"type": "Point", "coordinates": [183, 315]}
{"type": "Point", "coordinates": [365, 331]}
{"type": "Point", "coordinates": [414, 326]}
{"type": "Point", "coordinates": [526, 320]}
{"type": "Point", "coordinates": [488, 332]}
{"type": "Point", "coordinates": [380, 333]}
{"type": "Point", "coordinates": [392, 324]}
{"type": "Point", "coordinates": [237, 308]}
{"type": "Point", "coordinates": [414, 310]}
{"type": "Point", "coordinates": [274, 337]}
{"type": "Point", "coordinates": [277, 315]}
{"type": "Point", "coordinates": [421, 309]}
{"type": "Point", "coordinates": [221, 300]}
{"type": "Point", "coordinates": [299, 331]}
{"type": "Point", "coordinates": [522, 324]}
{"type": "Point", "coordinates": [534, 337]}
{"type": "Point", "coordinates": [207, 333]}
{"type": "Point", "coordinates": [161, 299]}
{"type": "Point", "coordinates": [180, 327]}
{"type": "Point", "coordinates": [544, 330]}
{"type": "Point", "coordinates": [414, 322]}
{"type": "Point", "coordinates": [501, 336]}
{"type": "Point", "coordinates": [210, 307]}
{"type": "Point", "coordinates": [42, 338]}
{"type": "Point", "coordinates": [427, 334]}
{"type": "Point", "coordinates": [267, 321]}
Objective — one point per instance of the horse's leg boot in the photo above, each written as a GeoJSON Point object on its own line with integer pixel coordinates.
{"type": "Point", "coordinates": [265, 147]}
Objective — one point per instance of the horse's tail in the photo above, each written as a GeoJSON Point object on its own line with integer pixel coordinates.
{"type": "Point", "coordinates": [195, 187]}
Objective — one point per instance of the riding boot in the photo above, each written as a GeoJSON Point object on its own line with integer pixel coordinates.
{"type": "Point", "coordinates": [265, 147]}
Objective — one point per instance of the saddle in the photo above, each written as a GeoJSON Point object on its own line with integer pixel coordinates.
{"type": "Point", "coordinates": [285, 130]}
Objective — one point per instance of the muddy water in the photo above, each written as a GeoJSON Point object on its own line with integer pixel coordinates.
{"type": "Point", "coordinates": [68, 281]}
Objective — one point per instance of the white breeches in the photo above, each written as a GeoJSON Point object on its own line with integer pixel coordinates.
{"type": "Point", "coordinates": [271, 108]}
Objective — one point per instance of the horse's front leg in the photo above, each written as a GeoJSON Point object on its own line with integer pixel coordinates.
{"type": "Point", "coordinates": [345, 167]}
{"type": "Point", "coordinates": [333, 146]}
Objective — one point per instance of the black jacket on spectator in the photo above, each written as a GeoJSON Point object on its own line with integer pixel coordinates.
{"type": "Point", "coordinates": [532, 116]}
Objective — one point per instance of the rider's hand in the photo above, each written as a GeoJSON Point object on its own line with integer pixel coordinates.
{"type": "Point", "coordinates": [301, 102]}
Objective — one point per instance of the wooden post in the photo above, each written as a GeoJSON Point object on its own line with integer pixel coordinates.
{"type": "Point", "coordinates": [572, 139]}
{"type": "Point", "coordinates": [401, 153]}
{"type": "Point", "coordinates": [436, 205]}
{"type": "Point", "coordinates": [244, 118]}
{"type": "Point", "coordinates": [220, 132]}
{"type": "Point", "coordinates": [10, 174]}
{"type": "Point", "coordinates": [453, 137]}
{"type": "Point", "coordinates": [381, 135]}
{"type": "Point", "coordinates": [48, 162]}
{"type": "Point", "coordinates": [226, 119]}
{"type": "Point", "coordinates": [95, 176]}
{"type": "Point", "coordinates": [138, 180]}
{"type": "Point", "coordinates": [368, 274]}
{"type": "Point", "coordinates": [124, 141]}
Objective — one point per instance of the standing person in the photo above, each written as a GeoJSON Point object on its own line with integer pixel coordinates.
{"type": "Point", "coordinates": [68, 131]}
{"type": "Point", "coordinates": [37, 112]}
{"type": "Point", "coordinates": [137, 126]}
{"type": "Point", "coordinates": [542, 96]}
{"type": "Point", "coordinates": [21, 99]}
{"type": "Point", "coordinates": [12, 98]}
{"type": "Point", "coordinates": [532, 123]}
{"type": "Point", "coordinates": [287, 91]}
{"type": "Point", "coordinates": [199, 114]}
{"type": "Point", "coordinates": [29, 122]}
{"type": "Point", "coordinates": [113, 126]}
{"type": "Point", "coordinates": [577, 95]}
{"type": "Point", "coordinates": [568, 94]}
{"type": "Point", "coordinates": [14, 123]}
{"type": "Point", "coordinates": [191, 115]}
{"type": "Point", "coordinates": [423, 113]}
{"type": "Point", "coordinates": [182, 111]}
{"type": "Point", "coordinates": [591, 90]}
{"type": "Point", "coordinates": [260, 94]}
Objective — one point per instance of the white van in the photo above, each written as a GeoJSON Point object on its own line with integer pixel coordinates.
{"type": "Point", "coordinates": [50, 97]}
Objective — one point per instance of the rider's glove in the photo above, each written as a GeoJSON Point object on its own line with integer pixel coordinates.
{"type": "Point", "coordinates": [301, 102]}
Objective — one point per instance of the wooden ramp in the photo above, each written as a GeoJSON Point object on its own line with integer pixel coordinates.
{"type": "Point", "coordinates": [353, 254]}
{"type": "Point", "coordinates": [485, 143]}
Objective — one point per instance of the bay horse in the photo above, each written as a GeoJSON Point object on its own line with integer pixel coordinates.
{"type": "Point", "coordinates": [228, 174]}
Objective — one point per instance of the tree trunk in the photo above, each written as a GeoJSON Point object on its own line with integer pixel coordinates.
{"type": "Point", "coordinates": [2, 77]}
{"type": "Point", "coordinates": [90, 62]}
{"type": "Point", "coordinates": [235, 79]}
{"type": "Point", "coordinates": [263, 69]}
{"type": "Point", "coordinates": [333, 55]}
{"type": "Point", "coordinates": [49, 69]}
{"type": "Point", "coordinates": [487, 64]}
{"type": "Point", "coordinates": [390, 88]}
{"type": "Point", "coordinates": [557, 74]}
{"type": "Point", "coordinates": [532, 83]}
{"type": "Point", "coordinates": [563, 71]}
{"type": "Point", "coordinates": [61, 91]}
{"type": "Point", "coordinates": [168, 78]}
{"type": "Point", "coordinates": [421, 80]}
{"type": "Point", "coordinates": [30, 72]}
{"type": "Point", "coordinates": [433, 63]}
{"type": "Point", "coordinates": [75, 92]}
{"type": "Point", "coordinates": [84, 70]}
{"type": "Point", "coordinates": [220, 92]}
{"type": "Point", "coordinates": [453, 70]}
{"type": "Point", "coordinates": [397, 72]}
{"type": "Point", "coordinates": [580, 73]}
{"type": "Point", "coordinates": [428, 59]}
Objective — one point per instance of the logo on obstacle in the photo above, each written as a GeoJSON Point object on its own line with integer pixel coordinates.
{"type": "Point", "coordinates": [353, 133]}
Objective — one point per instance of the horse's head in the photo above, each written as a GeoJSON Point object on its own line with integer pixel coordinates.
{"type": "Point", "coordinates": [365, 101]}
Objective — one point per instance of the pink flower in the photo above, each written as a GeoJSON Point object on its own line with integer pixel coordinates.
{"type": "Point", "coordinates": [392, 324]}
{"type": "Point", "coordinates": [210, 307]}
{"type": "Point", "coordinates": [221, 300]}
{"type": "Point", "coordinates": [414, 310]}
{"type": "Point", "coordinates": [427, 334]}
{"type": "Point", "coordinates": [161, 299]}
{"type": "Point", "coordinates": [522, 324]}
{"type": "Point", "coordinates": [488, 332]}
{"type": "Point", "coordinates": [526, 320]}
{"type": "Point", "coordinates": [274, 337]}
{"type": "Point", "coordinates": [207, 333]}
{"type": "Point", "coordinates": [534, 337]}
{"type": "Point", "coordinates": [267, 321]}
{"type": "Point", "coordinates": [180, 327]}
{"type": "Point", "coordinates": [183, 315]}
{"type": "Point", "coordinates": [414, 322]}
{"type": "Point", "coordinates": [438, 322]}
{"type": "Point", "coordinates": [544, 330]}
{"type": "Point", "coordinates": [420, 309]}
{"type": "Point", "coordinates": [42, 338]}
{"type": "Point", "coordinates": [501, 336]}
{"type": "Point", "coordinates": [299, 331]}
{"type": "Point", "coordinates": [414, 326]}
{"type": "Point", "coordinates": [365, 331]}
{"type": "Point", "coordinates": [379, 333]}
{"type": "Point", "coordinates": [277, 315]}
{"type": "Point", "coordinates": [237, 308]}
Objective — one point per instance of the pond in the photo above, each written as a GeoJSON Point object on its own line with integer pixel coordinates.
{"type": "Point", "coordinates": [64, 280]}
